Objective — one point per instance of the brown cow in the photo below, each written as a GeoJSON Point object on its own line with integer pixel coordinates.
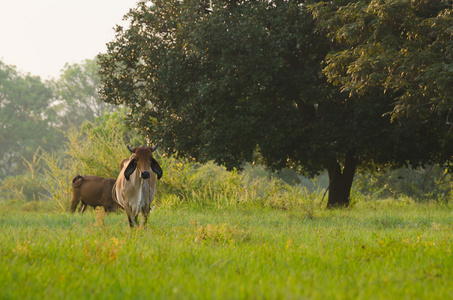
{"type": "Point", "coordinates": [136, 185]}
{"type": "Point", "coordinates": [94, 191]}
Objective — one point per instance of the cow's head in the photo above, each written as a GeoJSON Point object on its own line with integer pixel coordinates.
{"type": "Point", "coordinates": [142, 159]}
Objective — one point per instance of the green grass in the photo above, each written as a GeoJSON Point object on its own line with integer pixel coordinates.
{"type": "Point", "coordinates": [240, 252]}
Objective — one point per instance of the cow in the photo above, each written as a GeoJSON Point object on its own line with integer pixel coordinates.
{"type": "Point", "coordinates": [94, 191]}
{"type": "Point", "coordinates": [135, 186]}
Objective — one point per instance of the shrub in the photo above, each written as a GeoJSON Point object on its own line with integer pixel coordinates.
{"type": "Point", "coordinates": [210, 184]}
{"type": "Point", "coordinates": [193, 182]}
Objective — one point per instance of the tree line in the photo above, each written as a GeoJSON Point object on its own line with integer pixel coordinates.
{"type": "Point", "coordinates": [34, 113]}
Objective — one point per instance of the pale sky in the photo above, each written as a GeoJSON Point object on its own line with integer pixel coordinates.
{"type": "Point", "coordinates": [40, 36]}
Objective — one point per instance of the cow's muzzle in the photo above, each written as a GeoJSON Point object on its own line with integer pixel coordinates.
{"type": "Point", "coordinates": [145, 175]}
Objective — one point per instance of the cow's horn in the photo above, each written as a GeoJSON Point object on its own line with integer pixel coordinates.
{"type": "Point", "coordinates": [130, 149]}
{"type": "Point", "coordinates": [155, 147]}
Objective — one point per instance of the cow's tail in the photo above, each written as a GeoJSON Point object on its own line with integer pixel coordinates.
{"type": "Point", "coordinates": [77, 181]}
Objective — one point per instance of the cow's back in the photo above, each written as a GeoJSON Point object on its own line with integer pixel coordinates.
{"type": "Point", "coordinates": [92, 188]}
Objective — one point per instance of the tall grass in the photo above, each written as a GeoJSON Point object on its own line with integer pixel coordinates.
{"type": "Point", "coordinates": [213, 185]}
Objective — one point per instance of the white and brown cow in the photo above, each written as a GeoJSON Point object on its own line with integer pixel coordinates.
{"type": "Point", "coordinates": [135, 186]}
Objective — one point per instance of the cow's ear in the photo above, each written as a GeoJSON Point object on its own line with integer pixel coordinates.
{"type": "Point", "coordinates": [131, 166]}
{"type": "Point", "coordinates": [156, 168]}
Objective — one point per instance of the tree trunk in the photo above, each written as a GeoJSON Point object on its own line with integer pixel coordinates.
{"type": "Point", "coordinates": [340, 182]}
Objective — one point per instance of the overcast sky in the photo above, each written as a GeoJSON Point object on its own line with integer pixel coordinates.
{"type": "Point", "coordinates": [40, 36]}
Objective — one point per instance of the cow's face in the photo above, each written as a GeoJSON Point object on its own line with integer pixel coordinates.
{"type": "Point", "coordinates": [142, 161]}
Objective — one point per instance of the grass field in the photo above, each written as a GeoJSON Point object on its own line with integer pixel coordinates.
{"type": "Point", "coordinates": [239, 252]}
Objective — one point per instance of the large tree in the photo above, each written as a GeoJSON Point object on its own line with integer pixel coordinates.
{"type": "Point", "coordinates": [26, 119]}
{"type": "Point", "coordinates": [245, 77]}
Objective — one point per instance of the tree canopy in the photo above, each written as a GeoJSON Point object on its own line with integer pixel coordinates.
{"type": "Point", "coordinates": [273, 77]}
{"type": "Point", "coordinates": [76, 92]}
{"type": "Point", "coordinates": [401, 47]}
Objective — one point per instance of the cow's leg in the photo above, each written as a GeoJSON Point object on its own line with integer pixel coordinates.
{"type": "Point", "coordinates": [106, 207]}
{"type": "Point", "coordinates": [145, 213]}
{"type": "Point", "coordinates": [132, 219]}
{"type": "Point", "coordinates": [75, 201]}
{"type": "Point", "coordinates": [126, 205]}
{"type": "Point", "coordinates": [83, 207]}
{"type": "Point", "coordinates": [131, 223]}
{"type": "Point", "coordinates": [136, 219]}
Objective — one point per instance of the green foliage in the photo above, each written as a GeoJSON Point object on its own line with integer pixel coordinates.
{"type": "Point", "coordinates": [98, 148]}
{"type": "Point", "coordinates": [214, 86]}
{"type": "Point", "coordinates": [422, 184]}
{"type": "Point", "coordinates": [212, 185]}
{"type": "Point", "coordinates": [402, 47]}
{"type": "Point", "coordinates": [28, 187]}
{"type": "Point", "coordinates": [57, 180]}
{"type": "Point", "coordinates": [34, 114]}
{"type": "Point", "coordinates": [233, 253]}
{"type": "Point", "coordinates": [26, 119]}
{"type": "Point", "coordinates": [203, 184]}
{"type": "Point", "coordinates": [77, 93]}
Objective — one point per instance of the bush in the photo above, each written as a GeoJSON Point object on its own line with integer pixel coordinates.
{"type": "Point", "coordinates": [210, 184]}
{"type": "Point", "coordinates": [193, 182]}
